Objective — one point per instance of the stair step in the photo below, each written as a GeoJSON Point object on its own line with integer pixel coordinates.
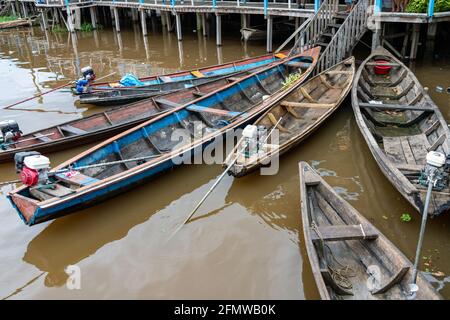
{"type": "Point", "coordinates": [322, 44]}
{"type": "Point", "coordinates": [334, 25]}
{"type": "Point", "coordinates": [328, 34]}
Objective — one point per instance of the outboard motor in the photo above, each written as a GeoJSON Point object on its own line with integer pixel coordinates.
{"type": "Point", "coordinates": [88, 73]}
{"type": "Point", "coordinates": [33, 168]}
{"type": "Point", "coordinates": [10, 132]}
{"type": "Point", "coordinates": [250, 135]}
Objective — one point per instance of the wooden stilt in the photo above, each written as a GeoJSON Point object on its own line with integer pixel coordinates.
{"type": "Point", "coordinates": [93, 17]}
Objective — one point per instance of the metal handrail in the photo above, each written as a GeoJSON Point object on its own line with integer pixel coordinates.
{"type": "Point", "coordinates": [310, 36]}
{"type": "Point", "coordinates": [345, 38]}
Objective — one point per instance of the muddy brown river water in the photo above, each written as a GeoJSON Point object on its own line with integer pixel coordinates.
{"type": "Point", "coordinates": [246, 240]}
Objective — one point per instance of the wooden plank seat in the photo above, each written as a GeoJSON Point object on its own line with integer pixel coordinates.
{"type": "Point", "coordinates": [58, 191]}
{"type": "Point", "coordinates": [72, 130]}
{"type": "Point", "coordinates": [384, 64]}
{"type": "Point", "coordinates": [76, 178]}
{"type": "Point", "coordinates": [343, 232]}
{"type": "Point", "coordinates": [387, 106]}
{"type": "Point", "coordinates": [197, 108]}
{"type": "Point", "coordinates": [42, 137]}
{"type": "Point", "coordinates": [410, 150]}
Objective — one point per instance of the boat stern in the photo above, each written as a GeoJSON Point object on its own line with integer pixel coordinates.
{"type": "Point", "coordinates": [25, 207]}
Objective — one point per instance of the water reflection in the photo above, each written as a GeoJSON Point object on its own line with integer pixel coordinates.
{"type": "Point", "coordinates": [70, 239]}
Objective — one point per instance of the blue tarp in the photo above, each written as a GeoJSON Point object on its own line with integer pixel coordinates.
{"type": "Point", "coordinates": [130, 80]}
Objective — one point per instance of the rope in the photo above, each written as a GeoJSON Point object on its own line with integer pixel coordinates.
{"type": "Point", "coordinates": [342, 274]}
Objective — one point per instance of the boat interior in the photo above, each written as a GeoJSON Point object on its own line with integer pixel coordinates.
{"type": "Point", "coordinates": [405, 124]}
{"type": "Point", "coordinates": [350, 255]}
{"type": "Point", "coordinates": [303, 107]}
{"type": "Point", "coordinates": [181, 127]}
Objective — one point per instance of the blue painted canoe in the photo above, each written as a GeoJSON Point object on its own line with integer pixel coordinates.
{"type": "Point", "coordinates": [116, 94]}
{"type": "Point", "coordinates": [212, 115]}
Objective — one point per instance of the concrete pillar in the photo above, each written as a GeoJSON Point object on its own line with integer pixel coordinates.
{"type": "Point", "coordinates": [414, 41]}
{"type": "Point", "coordinates": [93, 17]}
{"type": "Point", "coordinates": [218, 29]}
{"type": "Point", "coordinates": [204, 24]}
{"type": "Point", "coordinates": [431, 32]}
{"type": "Point", "coordinates": [135, 15]}
{"type": "Point", "coordinates": [244, 21]}
{"type": "Point", "coordinates": [198, 21]}
{"type": "Point", "coordinates": [70, 21]}
{"type": "Point", "coordinates": [44, 19]}
{"type": "Point", "coordinates": [297, 25]}
{"type": "Point", "coordinates": [178, 22]}
{"type": "Point", "coordinates": [13, 9]}
{"type": "Point", "coordinates": [143, 22]}
{"type": "Point", "coordinates": [269, 33]}
{"type": "Point", "coordinates": [77, 14]}
{"type": "Point", "coordinates": [163, 19]}
{"type": "Point", "coordinates": [116, 19]}
{"type": "Point", "coordinates": [25, 11]}
{"type": "Point", "coordinates": [56, 15]}
{"type": "Point", "coordinates": [168, 21]}
{"type": "Point", "coordinates": [376, 39]}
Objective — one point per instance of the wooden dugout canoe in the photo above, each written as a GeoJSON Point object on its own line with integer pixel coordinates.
{"type": "Point", "coordinates": [301, 113]}
{"type": "Point", "coordinates": [400, 124]}
{"type": "Point", "coordinates": [194, 125]}
{"type": "Point", "coordinates": [339, 240]}
{"type": "Point", "coordinates": [115, 94]}
{"type": "Point", "coordinates": [111, 122]}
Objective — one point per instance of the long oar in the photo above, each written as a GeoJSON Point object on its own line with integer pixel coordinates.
{"type": "Point", "coordinates": [216, 183]}
{"type": "Point", "coordinates": [52, 90]}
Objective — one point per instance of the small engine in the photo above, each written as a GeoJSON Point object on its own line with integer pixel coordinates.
{"type": "Point", "coordinates": [33, 168]}
{"type": "Point", "coordinates": [10, 132]}
{"type": "Point", "coordinates": [88, 73]}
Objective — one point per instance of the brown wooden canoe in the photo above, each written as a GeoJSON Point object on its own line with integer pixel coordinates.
{"type": "Point", "coordinates": [15, 23]}
{"type": "Point", "coordinates": [301, 113]}
{"type": "Point", "coordinates": [400, 124]}
{"type": "Point", "coordinates": [350, 258]}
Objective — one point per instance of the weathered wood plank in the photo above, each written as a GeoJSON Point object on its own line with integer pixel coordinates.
{"type": "Point", "coordinates": [343, 232]}
{"type": "Point", "coordinates": [395, 106]}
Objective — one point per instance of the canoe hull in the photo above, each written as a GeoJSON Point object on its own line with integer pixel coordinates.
{"type": "Point", "coordinates": [379, 270]}
{"type": "Point", "coordinates": [108, 182]}
{"type": "Point", "coordinates": [394, 166]}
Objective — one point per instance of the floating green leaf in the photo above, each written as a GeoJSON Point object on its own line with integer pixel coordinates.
{"type": "Point", "coordinates": [406, 217]}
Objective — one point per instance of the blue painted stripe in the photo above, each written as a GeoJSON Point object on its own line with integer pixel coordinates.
{"type": "Point", "coordinates": [212, 73]}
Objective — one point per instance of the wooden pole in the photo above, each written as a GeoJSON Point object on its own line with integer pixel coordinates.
{"type": "Point", "coordinates": [414, 41]}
